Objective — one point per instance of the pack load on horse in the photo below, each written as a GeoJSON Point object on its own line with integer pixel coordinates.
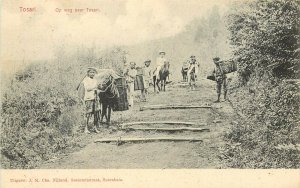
{"type": "Point", "coordinates": [184, 70]}
{"type": "Point", "coordinates": [122, 101]}
{"type": "Point", "coordinates": [113, 94]}
{"type": "Point", "coordinates": [101, 89]}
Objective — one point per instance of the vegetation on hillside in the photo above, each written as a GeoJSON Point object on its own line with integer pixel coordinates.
{"type": "Point", "coordinates": [41, 114]}
{"type": "Point", "coordinates": [265, 40]}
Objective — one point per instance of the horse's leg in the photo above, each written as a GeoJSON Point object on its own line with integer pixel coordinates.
{"type": "Point", "coordinates": [154, 82]}
{"type": "Point", "coordinates": [104, 106]}
{"type": "Point", "coordinates": [108, 115]}
{"type": "Point", "coordinates": [157, 84]}
{"type": "Point", "coordinates": [165, 85]}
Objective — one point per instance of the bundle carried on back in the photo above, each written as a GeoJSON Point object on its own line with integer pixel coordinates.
{"type": "Point", "coordinates": [227, 67]}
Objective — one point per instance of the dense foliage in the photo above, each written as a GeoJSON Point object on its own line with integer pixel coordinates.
{"type": "Point", "coordinates": [265, 40]}
{"type": "Point", "coordinates": [41, 114]}
{"type": "Point", "coordinates": [265, 37]}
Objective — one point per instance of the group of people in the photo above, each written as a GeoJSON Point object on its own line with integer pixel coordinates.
{"type": "Point", "coordinates": [146, 74]}
{"type": "Point", "coordinates": [89, 85]}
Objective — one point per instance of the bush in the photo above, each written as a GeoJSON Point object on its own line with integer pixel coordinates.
{"type": "Point", "coordinates": [41, 113]}
{"type": "Point", "coordinates": [265, 38]}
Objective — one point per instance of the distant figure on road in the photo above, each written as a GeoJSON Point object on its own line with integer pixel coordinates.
{"type": "Point", "coordinates": [131, 76]}
{"type": "Point", "coordinates": [147, 79]}
{"type": "Point", "coordinates": [191, 73]}
{"type": "Point", "coordinates": [220, 78]}
{"type": "Point", "coordinates": [195, 62]}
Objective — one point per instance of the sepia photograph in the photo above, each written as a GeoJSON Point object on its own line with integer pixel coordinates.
{"type": "Point", "coordinates": [141, 84]}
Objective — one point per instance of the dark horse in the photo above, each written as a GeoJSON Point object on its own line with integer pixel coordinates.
{"type": "Point", "coordinates": [184, 70]}
{"type": "Point", "coordinates": [108, 98]}
{"type": "Point", "coordinates": [163, 74]}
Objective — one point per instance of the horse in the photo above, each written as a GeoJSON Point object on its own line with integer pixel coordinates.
{"type": "Point", "coordinates": [108, 96]}
{"type": "Point", "coordinates": [184, 70]}
{"type": "Point", "coordinates": [163, 74]}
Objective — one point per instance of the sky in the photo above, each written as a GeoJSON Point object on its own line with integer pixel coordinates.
{"type": "Point", "coordinates": [38, 35]}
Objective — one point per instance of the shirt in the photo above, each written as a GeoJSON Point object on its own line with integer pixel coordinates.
{"type": "Point", "coordinates": [160, 61]}
{"type": "Point", "coordinates": [90, 86]}
{"type": "Point", "coordinates": [219, 73]}
{"type": "Point", "coordinates": [131, 75]}
{"type": "Point", "coordinates": [147, 72]}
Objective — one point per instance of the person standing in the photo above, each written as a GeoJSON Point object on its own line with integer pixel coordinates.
{"type": "Point", "coordinates": [191, 73]}
{"type": "Point", "coordinates": [221, 78]}
{"type": "Point", "coordinates": [195, 62]}
{"type": "Point", "coordinates": [131, 76]}
{"type": "Point", "coordinates": [88, 94]}
{"type": "Point", "coordinates": [147, 76]}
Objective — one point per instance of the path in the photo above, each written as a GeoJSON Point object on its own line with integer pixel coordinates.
{"type": "Point", "coordinates": [159, 154]}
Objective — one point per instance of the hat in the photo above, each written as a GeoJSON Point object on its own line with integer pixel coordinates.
{"type": "Point", "coordinates": [132, 63]}
{"type": "Point", "coordinates": [162, 52]}
{"type": "Point", "coordinates": [148, 61]}
{"type": "Point", "coordinates": [192, 56]}
{"type": "Point", "coordinates": [216, 59]}
{"type": "Point", "coordinates": [92, 68]}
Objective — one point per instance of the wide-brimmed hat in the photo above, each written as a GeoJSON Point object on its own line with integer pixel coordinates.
{"type": "Point", "coordinates": [216, 59]}
{"type": "Point", "coordinates": [132, 63]}
{"type": "Point", "coordinates": [92, 68]}
{"type": "Point", "coordinates": [148, 61]}
{"type": "Point", "coordinates": [162, 52]}
{"type": "Point", "coordinates": [192, 56]}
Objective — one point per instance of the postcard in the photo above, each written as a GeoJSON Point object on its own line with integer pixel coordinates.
{"type": "Point", "coordinates": [141, 93]}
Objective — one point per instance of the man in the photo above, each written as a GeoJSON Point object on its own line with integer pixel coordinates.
{"type": "Point", "coordinates": [147, 79]}
{"type": "Point", "coordinates": [195, 62]}
{"type": "Point", "coordinates": [191, 73]}
{"type": "Point", "coordinates": [220, 78]}
{"type": "Point", "coordinates": [131, 75]}
{"type": "Point", "coordinates": [88, 91]}
{"type": "Point", "coordinates": [160, 63]}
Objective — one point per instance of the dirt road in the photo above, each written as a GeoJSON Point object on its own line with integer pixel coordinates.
{"type": "Point", "coordinates": [158, 154]}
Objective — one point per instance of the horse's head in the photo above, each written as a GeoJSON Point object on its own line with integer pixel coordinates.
{"type": "Point", "coordinates": [108, 87]}
{"type": "Point", "coordinates": [164, 72]}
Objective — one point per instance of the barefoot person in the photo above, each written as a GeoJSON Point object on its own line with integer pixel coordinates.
{"type": "Point", "coordinates": [221, 78]}
{"type": "Point", "coordinates": [89, 92]}
{"type": "Point", "coordinates": [147, 79]}
{"type": "Point", "coordinates": [131, 76]}
{"type": "Point", "coordinates": [191, 73]}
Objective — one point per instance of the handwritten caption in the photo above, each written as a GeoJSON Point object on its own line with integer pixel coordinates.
{"type": "Point", "coordinates": [62, 10]}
